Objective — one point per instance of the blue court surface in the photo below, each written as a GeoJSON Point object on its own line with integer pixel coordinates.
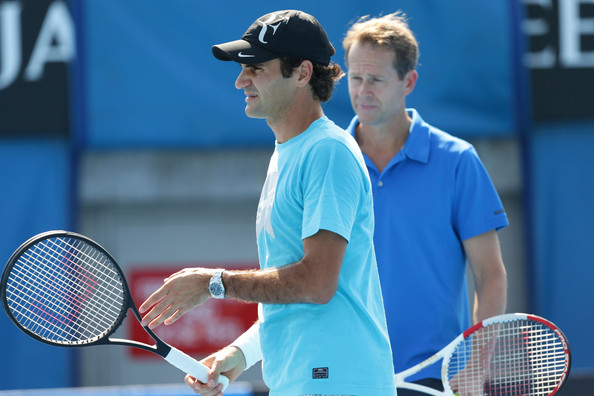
{"type": "Point", "coordinates": [235, 389]}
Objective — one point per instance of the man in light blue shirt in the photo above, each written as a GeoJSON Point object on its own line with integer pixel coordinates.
{"type": "Point", "coordinates": [318, 181]}
{"type": "Point", "coordinates": [322, 328]}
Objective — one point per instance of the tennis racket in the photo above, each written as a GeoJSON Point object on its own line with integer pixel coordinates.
{"type": "Point", "coordinates": [506, 355]}
{"type": "Point", "coordinates": [64, 289]}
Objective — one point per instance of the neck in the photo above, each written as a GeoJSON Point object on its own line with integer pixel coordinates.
{"type": "Point", "coordinates": [382, 142]}
{"type": "Point", "coordinates": [300, 117]}
{"type": "Point", "coordinates": [389, 136]}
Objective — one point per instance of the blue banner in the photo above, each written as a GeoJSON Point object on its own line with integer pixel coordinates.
{"type": "Point", "coordinates": [35, 185]}
{"type": "Point", "coordinates": [151, 81]}
{"type": "Point", "coordinates": [562, 197]}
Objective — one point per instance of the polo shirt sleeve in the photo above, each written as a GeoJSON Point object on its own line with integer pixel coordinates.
{"type": "Point", "coordinates": [332, 186]}
{"type": "Point", "coordinates": [478, 208]}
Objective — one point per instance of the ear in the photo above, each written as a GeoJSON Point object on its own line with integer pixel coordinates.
{"type": "Point", "coordinates": [410, 81]}
{"type": "Point", "coordinates": [305, 71]}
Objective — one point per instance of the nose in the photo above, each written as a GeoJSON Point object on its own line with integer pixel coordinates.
{"type": "Point", "coordinates": [242, 81]}
{"type": "Point", "coordinates": [365, 88]}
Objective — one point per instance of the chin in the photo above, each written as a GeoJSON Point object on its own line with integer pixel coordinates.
{"type": "Point", "coordinates": [366, 119]}
{"type": "Point", "coordinates": [253, 114]}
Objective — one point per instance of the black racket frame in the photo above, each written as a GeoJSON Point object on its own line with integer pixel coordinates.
{"type": "Point", "coordinates": [160, 347]}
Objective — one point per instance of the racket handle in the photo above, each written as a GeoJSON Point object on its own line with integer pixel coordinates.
{"type": "Point", "coordinates": [191, 366]}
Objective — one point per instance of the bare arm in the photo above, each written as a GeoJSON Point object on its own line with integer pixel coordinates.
{"type": "Point", "coordinates": [313, 279]}
{"type": "Point", "coordinates": [490, 277]}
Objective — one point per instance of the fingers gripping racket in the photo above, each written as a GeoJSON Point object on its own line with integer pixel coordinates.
{"type": "Point", "coordinates": [506, 355]}
{"type": "Point", "coordinates": [64, 289]}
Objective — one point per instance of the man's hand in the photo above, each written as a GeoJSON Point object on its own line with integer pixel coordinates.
{"type": "Point", "coordinates": [228, 361]}
{"type": "Point", "coordinates": [470, 381]}
{"type": "Point", "coordinates": [180, 292]}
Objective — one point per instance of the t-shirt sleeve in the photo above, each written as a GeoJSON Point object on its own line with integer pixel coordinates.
{"type": "Point", "coordinates": [333, 183]}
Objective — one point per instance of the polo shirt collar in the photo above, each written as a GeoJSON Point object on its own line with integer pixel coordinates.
{"type": "Point", "coordinates": [417, 144]}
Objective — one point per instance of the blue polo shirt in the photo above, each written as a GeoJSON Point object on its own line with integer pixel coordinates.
{"type": "Point", "coordinates": [434, 194]}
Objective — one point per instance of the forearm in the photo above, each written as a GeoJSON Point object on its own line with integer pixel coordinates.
{"type": "Point", "coordinates": [286, 285]}
{"type": "Point", "coordinates": [313, 279]}
{"type": "Point", "coordinates": [490, 297]}
{"type": "Point", "coordinates": [490, 276]}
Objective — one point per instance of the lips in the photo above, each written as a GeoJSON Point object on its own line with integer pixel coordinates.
{"type": "Point", "coordinates": [365, 107]}
{"type": "Point", "coordinates": [250, 96]}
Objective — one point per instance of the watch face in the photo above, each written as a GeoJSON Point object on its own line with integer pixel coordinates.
{"type": "Point", "coordinates": [216, 289]}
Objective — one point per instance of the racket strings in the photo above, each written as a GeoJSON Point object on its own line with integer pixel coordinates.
{"type": "Point", "coordinates": [67, 284]}
{"type": "Point", "coordinates": [85, 282]}
{"type": "Point", "coordinates": [62, 310]}
{"type": "Point", "coordinates": [518, 358]}
{"type": "Point", "coordinates": [84, 285]}
{"type": "Point", "coordinates": [65, 291]}
{"type": "Point", "coordinates": [67, 298]}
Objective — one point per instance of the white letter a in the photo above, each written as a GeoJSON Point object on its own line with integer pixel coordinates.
{"type": "Point", "coordinates": [57, 28]}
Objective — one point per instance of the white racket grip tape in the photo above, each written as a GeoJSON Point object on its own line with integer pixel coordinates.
{"type": "Point", "coordinates": [191, 366]}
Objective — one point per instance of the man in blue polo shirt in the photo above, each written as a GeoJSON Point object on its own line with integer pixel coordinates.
{"type": "Point", "coordinates": [435, 206]}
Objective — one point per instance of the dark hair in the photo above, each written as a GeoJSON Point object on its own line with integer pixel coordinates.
{"type": "Point", "coordinates": [323, 79]}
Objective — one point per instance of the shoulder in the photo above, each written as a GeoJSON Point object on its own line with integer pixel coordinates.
{"type": "Point", "coordinates": [446, 148]}
{"type": "Point", "coordinates": [439, 142]}
{"type": "Point", "coordinates": [440, 149]}
{"type": "Point", "coordinates": [332, 150]}
{"type": "Point", "coordinates": [444, 141]}
{"type": "Point", "coordinates": [332, 139]}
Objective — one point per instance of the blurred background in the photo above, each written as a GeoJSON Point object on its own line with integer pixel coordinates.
{"type": "Point", "coordinates": [117, 122]}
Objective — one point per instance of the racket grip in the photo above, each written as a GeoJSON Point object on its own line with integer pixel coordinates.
{"type": "Point", "coordinates": [191, 366]}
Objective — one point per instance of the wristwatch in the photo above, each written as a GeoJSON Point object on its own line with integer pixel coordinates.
{"type": "Point", "coordinates": [215, 286]}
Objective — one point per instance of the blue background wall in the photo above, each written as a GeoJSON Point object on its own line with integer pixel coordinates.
{"type": "Point", "coordinates": [562, 208]}
{"type": "Point", "coordinates": [151, 80]}
{"type": "Point", "coordinates": [35, 197]}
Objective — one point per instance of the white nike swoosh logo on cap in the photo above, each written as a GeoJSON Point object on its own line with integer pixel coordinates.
{"type": "Point", "coordinates": [245, 55]}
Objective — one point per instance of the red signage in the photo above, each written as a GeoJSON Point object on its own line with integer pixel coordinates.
{"type": "Point", "coordinates": [200, 332]}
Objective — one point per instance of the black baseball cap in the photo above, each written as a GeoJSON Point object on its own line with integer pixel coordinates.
{"type": "Point", "coordinates": [290, 33]}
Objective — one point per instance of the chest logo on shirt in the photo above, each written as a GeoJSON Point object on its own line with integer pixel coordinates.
{"type": "Point", "coordinates": [263, 221]}
{"type": "Point", "coordinates": [319, 373]}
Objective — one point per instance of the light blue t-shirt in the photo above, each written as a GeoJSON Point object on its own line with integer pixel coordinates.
{"type": "Point", "coordinates": [434, 194]}
{"type": "Point", "coordinates": [318, 180]}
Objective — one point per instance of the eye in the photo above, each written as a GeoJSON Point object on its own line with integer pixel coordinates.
{"type": "Point", "coordinates": [251, 68]}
